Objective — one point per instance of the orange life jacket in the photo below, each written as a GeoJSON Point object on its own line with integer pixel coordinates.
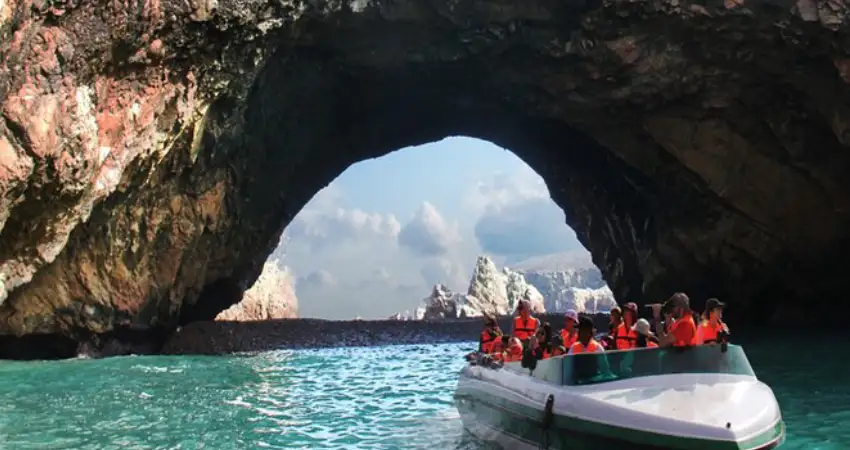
{"type": "Point", "coordinates": [488, 337]}
{"type": "Point", "coordinates": [514, 351]}
{"type": "Point", "coordinates": [592, 347]}
{"type": "Point", "coordinates": [708, 333]}
{"type": "Point", "coordinates": [568, 340]}
{"type": "Point", "coordinates": [693, 339]}
{"type": "Point", "coordinates": [500, 356]}
{"type": "Point", "coordinates": [513, 355]}
{"type": "Point", "coordinates": [624, 338]}
{"type": "Point", "coordinates": [524, 329]}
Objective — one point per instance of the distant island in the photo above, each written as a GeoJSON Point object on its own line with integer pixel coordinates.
{"type": "Point", "coordinates": [552, 283]}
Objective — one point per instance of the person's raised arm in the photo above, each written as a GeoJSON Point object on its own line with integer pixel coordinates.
{"type": "Point", "coordinates": [664, 339]}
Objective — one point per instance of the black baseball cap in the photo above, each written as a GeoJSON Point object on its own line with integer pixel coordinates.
{"type": "Point", "coordinates": [713, 303]}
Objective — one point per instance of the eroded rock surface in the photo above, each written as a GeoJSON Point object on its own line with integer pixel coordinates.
{"type": "Point", "coordinates": [498, 292]}
{"type": "Point", "coordinates": [272, 296]}
{"type": "Point", "coordinates": [151, 151]}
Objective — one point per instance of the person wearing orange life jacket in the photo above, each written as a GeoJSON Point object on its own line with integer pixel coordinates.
{"type": "Point", "coordinates": [645, 337]}
{"type": "Point", "coordinates": [514, 350]}
{"type": "Point", "coordinates": [615, 318]}
{"type": "Point", "coordinates": [544, 340]}
{"type": "Point", "coordinates": [489, 335]}
{"type": "Point", "coordinates": [524, 325]}
{"type": "Point", "coordinates": [497, 351]}
{"type": "Point", "coordinates": [585, 342]}
{"type": "Point", "coordinates": [683, 331]}
{"type": "Point", "coordinates": [569, 333]}
{"type": "Point", "coordinates": [712, 330]}
{"type": "Point", "coordinates": [625, 337]}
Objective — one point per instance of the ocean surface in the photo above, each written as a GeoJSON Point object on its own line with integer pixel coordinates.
{"type": "Point", "coordinates": [391, 397]}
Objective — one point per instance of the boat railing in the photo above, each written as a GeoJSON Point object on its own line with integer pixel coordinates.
{"type": "Point", "coordinates": [593, 368]}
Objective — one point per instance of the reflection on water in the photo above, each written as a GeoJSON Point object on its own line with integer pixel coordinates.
{"type": "Point", "coordinates": [349, 398]}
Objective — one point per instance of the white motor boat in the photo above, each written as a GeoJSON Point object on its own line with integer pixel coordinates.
{"type": "Point", "coordinates": [705, 397]}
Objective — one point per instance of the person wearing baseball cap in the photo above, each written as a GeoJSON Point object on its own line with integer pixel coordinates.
{"type": "Point", "coordinates": [569, 333]}
{"type": "Point", "coordinates": [585, 342]}
{"type": "Point", "coordinates": [712, 329]}
{"type": "Point", "coordinates": [645, 337]}
{"type": "Point", "coordinates": [683, 331]}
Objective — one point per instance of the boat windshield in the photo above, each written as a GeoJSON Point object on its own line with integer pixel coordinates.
{"type": "Point", "coordinates": [592, 368]}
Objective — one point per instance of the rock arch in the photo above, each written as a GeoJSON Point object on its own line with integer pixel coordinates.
{"type": "Point", "coordinates": [152, 156]}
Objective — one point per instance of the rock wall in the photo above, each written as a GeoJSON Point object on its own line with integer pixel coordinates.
{"type": "Point", "coordinates": [498, 292]}
{"type": "Point", "coordinates": [151, 152]}
{"type": "Point", "coordinates": [272, 296]}
{"type": "Point", "coordinates": [572, 289]}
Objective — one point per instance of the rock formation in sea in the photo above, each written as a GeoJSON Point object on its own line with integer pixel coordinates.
{"type": "Point", "coordinates": [499, 291]}
{"type": "Point", "coordinates": [272, 296]}
{"type": "Point", "coordinates": [568, 281]}
{"type": "Point", "coordinates": [152, 152]}
{"type": "Point", "coordinates": [491, 291]}
{"type": "Point", "coordinates": [579, 289]}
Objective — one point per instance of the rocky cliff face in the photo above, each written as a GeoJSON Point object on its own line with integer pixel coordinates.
{"type": "Point", "coordinates": [272, 296]}
{"type": "Point", "coordinates": [491, 291]}
{"type": "Point", "coordinates": [445, 304]}
{"type": "Point", "coordinates": [152, 152]}
{"type": "Point", "coordinates": [568, 281]}
{"type": "Point", "coordinates": [581, 289]}
{"type": "Point", "coordinates": [500, 291]}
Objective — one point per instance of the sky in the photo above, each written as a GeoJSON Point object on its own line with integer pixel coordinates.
{"type": "Point", "coordinates": [376, 240]}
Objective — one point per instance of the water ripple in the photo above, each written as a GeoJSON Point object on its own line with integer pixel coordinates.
{"type": "Point", "coordinates": [396, 397]}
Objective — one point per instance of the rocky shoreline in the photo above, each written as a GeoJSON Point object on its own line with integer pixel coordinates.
{"type": "Point", "coordinates": [217, 338]}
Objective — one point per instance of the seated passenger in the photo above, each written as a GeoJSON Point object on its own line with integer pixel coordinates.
{"type": "Point", "coordinates": [524, 325]}
{"type": "Point", "coordinates": [712, 330]}
{"type": "Point", "coordinates": [489, 335]}
{"type": "Point", "coordinates": [544, 339]}
{"type": "Point", "coordinates": [559, 350]}
{"type": "Point", "coordinates": [569, 333]}
{"type": "Point", "coordinates": [614, 320]}
{"type": "Point", "coordinates": [683, 331]}
{"type": "Point", "coordinates": [625, 337]}
{"type": "Point", "coordinates": [645, 337]}
{"type": "Point", "coordinates": [588, 368]}
{"type": "Point", "coordinates": [514, 350]}
{"type": "Point", "coordinates": [497, 352]}
{"type": "Point", "coordinates": [532, 354]}
{"type": "Point", "coordinates": [585, 342]}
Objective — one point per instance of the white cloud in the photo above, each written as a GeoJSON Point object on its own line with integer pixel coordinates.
{"type": "Point", "coordinates": [323, 223]}
{"type": "Point", "coordinates": [519, 219]}
{"type": "Point", "coordinates": [317, 279]}
{"type": "Point", "coordinates": [451, 273]}
{"type": "Point", "coordinates": [506, 188]}
{"type": "Point", "coordinates": [354, 262]}
{"type": "Point", "coordinates": [428, 234]}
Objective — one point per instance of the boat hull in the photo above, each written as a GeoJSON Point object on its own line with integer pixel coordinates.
{"type": "Point", "coordinates": [504, 416]}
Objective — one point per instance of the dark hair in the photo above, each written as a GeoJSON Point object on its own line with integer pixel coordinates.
{"type": "Point", "coordinates": [585, 322]}
{"type": "Point", "coordinates": [679, 299]}
{"type": "Point", "coordinates": [546, 329]}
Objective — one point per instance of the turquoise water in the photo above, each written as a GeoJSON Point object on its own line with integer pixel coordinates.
{"type": "Point", "coordinates": [397, 397]}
